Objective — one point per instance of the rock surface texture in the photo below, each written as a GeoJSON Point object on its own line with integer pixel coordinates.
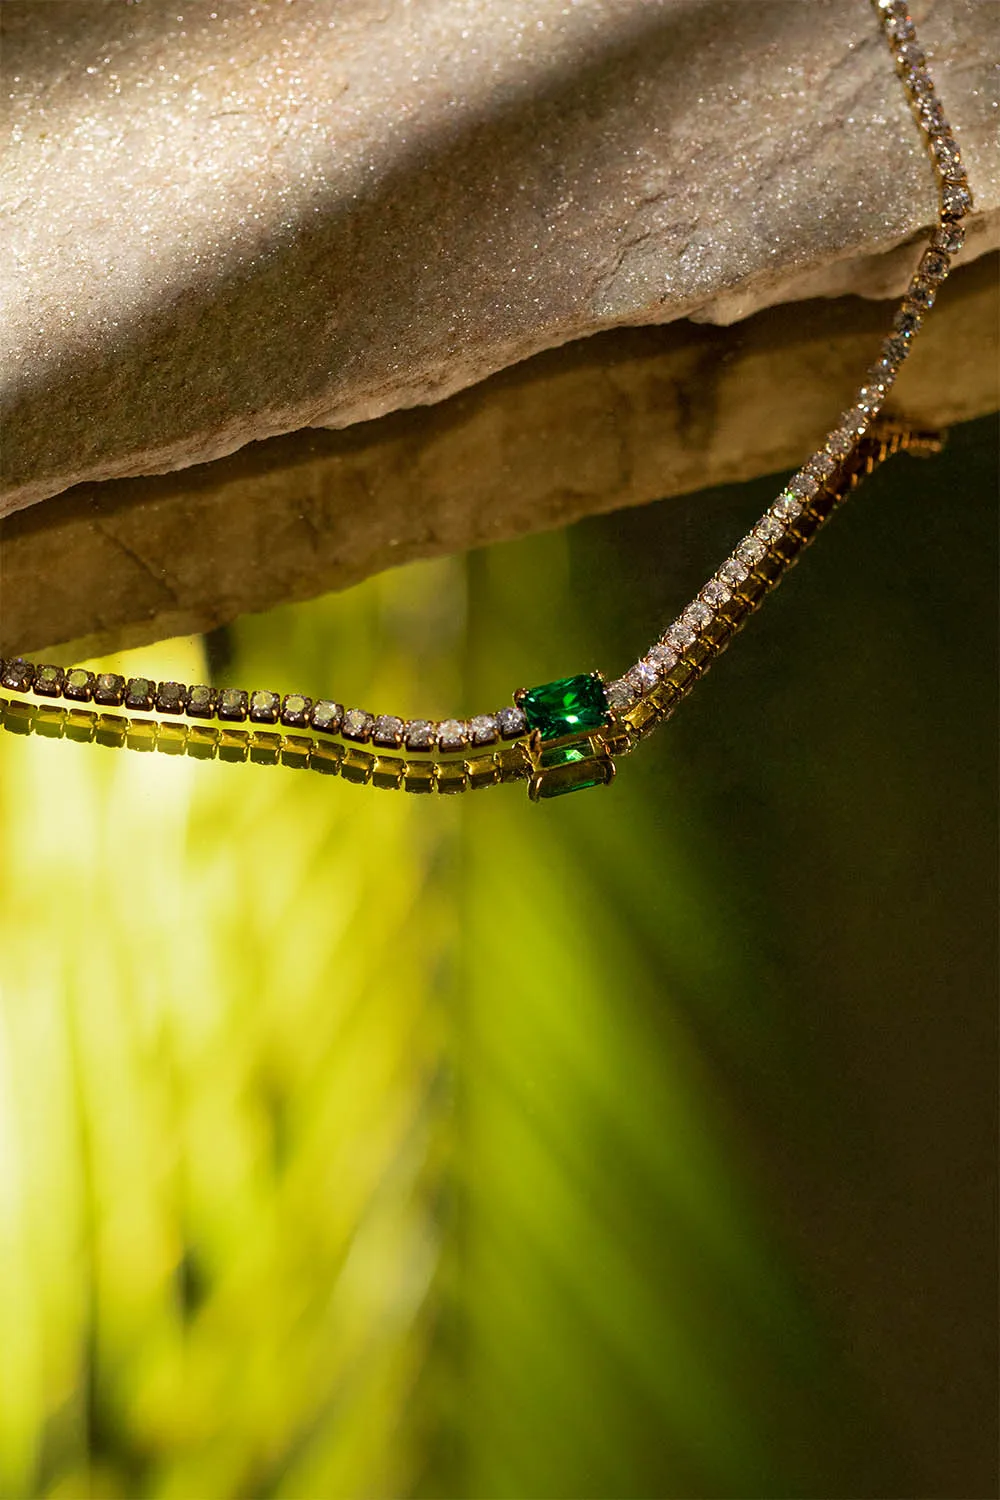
{"type": "Point", "coordinates": [629, 416]}
{"type": "Point", "coordinates": [229, 221]}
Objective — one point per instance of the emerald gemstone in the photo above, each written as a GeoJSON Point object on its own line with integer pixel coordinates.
{"type": "Point", "coordinates": [573, 705]}
{"type": "Point", "coordinates": [566, 755]}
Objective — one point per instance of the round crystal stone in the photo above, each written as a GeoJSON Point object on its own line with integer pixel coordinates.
{"type": "Point", "coordinates": [511, 722]}
{"type": "Point", "coordinates": [357, 725]}
{"type": "Point", "coordinates": [483, 729]}
{"type": "Point", "coordinates": [698, 614]}
{"type": "Point", "coordinates": [641, 677]}
{"type": "Point", "coordinates": [769, 529]}
{"type": "Point", "coordinates": [419, 734]}
{"type": "Point", "coordinates": [620, 694]}
{"type": "Point", "coordinates": [679, 635]}
{"type": "Point", "coordinates": [840, 442]}
{"type": "Point", "coordinates": [715, 593]}
{"type": "Point", "coordinates": [733, 572]}
{"type": "Point", "coordinates": [387, 730]}
{"type": "Point", "coordinates": [661, 657]}
{"type": "Point", "coordinates": [787, 506]}
{"type": "Point", "coordinates": [751, 550]}
{"type": "Point", "coordinates": [452, 734]}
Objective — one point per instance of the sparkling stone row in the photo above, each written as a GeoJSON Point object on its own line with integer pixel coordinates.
{"type": "Point", "coordinates": [948, 238]}
{"type": "Point", "coordinates": [234, 705]}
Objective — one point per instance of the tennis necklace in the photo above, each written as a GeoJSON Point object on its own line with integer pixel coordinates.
{"type": "Point", "coordinates": [562, 736]}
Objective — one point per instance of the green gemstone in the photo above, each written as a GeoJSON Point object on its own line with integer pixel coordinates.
{"type": "Point", "coordinates": [573, 705]}
{"type": "Point", "coordinates": [566, 755]}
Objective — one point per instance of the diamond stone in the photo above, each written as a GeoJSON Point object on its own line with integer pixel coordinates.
{"type": "Point", "coordinates": [620, 694]}
{"type": "Point", "coordinates": [680, 635]}
{"type": "Point", "coordinates": [895, 349]}
{"type": "Point", "coordinates": [641, 677]}
{"type": "Point", "coordinates": [511, 723]}
{"type": "Point", "coordinates": [483, 729]}
{"type": "Point", "coordinates": [956, 200]}
{"type": "Point", "coordinates": [452, 734]}
{"type": "Point", "coordinates": [570, 705]}
{"type": "Point", "coordinates": [170, 697]}
{"type": "Point", "coordinates": [264, 707]}
{"type": "Point", "coordinates": [201, 701]}
{"type": "Point", "coordinates": [855, 422]}
{"type": "Point", "coordinates": [79, 685]}
{"type": "Point", "coordinates": [357, 725]}
{"type": "Point", "coordinates": [946, 152]}
{"type": "Point", "coordinates": [295, 711]}
{"type": "Point", "coordinates": [803, 484]}
{"type": "Point", "coordinates": [949, 237]}
{"type": "Point", "coordinates": [715, 593]}
{"type": "Point", "coordinates": [233, 704]}
{"type": "Point", "coordinates": [751, 550]}
{"type": "Point", "coordinates": [139, 693]}
{"type": "Point", "coordinates": [907, 321]}
{"type": "Point", "coordinates": [48, 681]}
{"type": "Point", "coordinates": [870, 398]}
{"type": "Point", "coordinates": [933, 266]}
{"type": "Point", "coordinates": [787, 507]}
{"type": "Point", "coordinates": [661, 657]}
{"type": "Point", "coordinates": [932, 116]}
{"type": "Point", "coordinates": [17, 674]}
{"type": "Point", "coordinates": [900, 28]}
{"type": "Point", "coordinates": [911, 56]}
{"type": "Point", "coordinates": [839, 443]}
{"type": "Point", "coordinates": [821, 466]}
{"type": "Point", "coordinates": [109, 689]}
{"type": "Point", "coordinates": [326, 716]}
{"type": "Point", "coordinates": [921, 295]}
{"type": "Point", "coordinates": [698, 614]}
{"type": "Point", "coordinates": [419, 734]}
{"type": "Point", "coordinates": [387, 731]}
{"type": "Point", "coordinates": [769, 529]}
{"type": "Point", "coordinates": [733, 571]}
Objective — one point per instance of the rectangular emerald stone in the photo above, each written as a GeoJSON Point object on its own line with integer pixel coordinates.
{"type": "Point", "coordinates": [573, 705]}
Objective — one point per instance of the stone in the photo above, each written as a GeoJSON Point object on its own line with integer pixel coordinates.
{"type": "Point", "coordinates": [48, 681]}
{"type": "Point", "coordinates": [295, 711]}
{"type": "Point", "coordinates": [140, 693]}
{"type": "Point", "coordinates": [641, 678]}
{"type": "Point", "coordinates": [483, 729]}
{"type": "Point", "coordinates": [375, 207]}
{"type": "Point", "coordinates": [170, 697]}
{"type": "Point", "coordinates": [511, 722]}
{"type": "Point", "coordinates": [621, 694]}
{"type": "Point", "coordinates": [419, 734]}
{"type": "Point", "coordinates": [787, 507]}
{"type": "Point", "coordinates": [109, 689]}
{"type": "Point", "coordinates": [617, 420]}
{"type": "Point", "coordinates": [265, 707]}
{"type": "Point", "coordinates": [388, 731]}
{"type": "Point", "coordinates": [452, 734]}
{"type": "Point", "coordinates": [357, 725]}
{"type": "Point", "coordinates": [79, 685]}
{"type": "Point", "coordinates": [201, 701]}
{"type": "Point", "coordinates": [956, 200]}
{"type": "Point", "coordinates": [567, 706]}
{"type": "Point", "coordinates": [326, 715]}
{"type": "Point", "coordinates": [233, 704]}
{"type": "Point", "coordinates": [17, 675]}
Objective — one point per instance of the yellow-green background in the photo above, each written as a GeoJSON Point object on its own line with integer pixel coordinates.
{"type": "Point", "coordinates": [634, 1144]}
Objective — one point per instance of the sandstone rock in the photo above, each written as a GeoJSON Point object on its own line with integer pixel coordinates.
{"type": "Point", "coordinates": [229, 221]}
{"type": "Point", "coordinates": [623, 418]}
